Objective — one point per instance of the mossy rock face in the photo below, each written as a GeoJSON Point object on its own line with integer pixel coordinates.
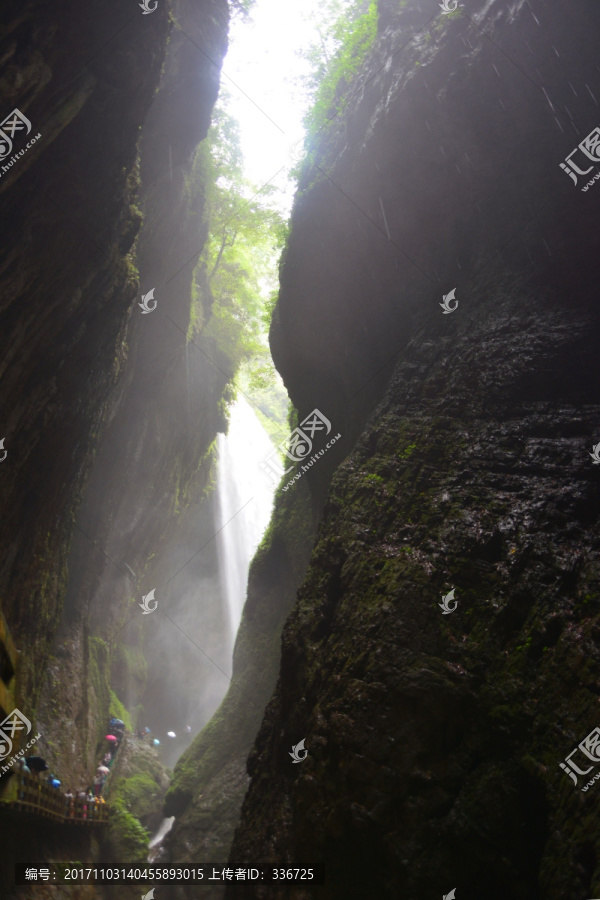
{"type": "Point", "coordinates": [75, 707]}
{"type": "Point", "coordinates": [129, 670]}
{"type": "Point", "coordinates": [127, 839]}
{"type": "Point", "coordinates": [137, 757]}
{"type": "Point", "coordinates": [118, 711]}
{"type": "Point", "coordinates": [138, 782]}
{"type": "Point", "coordinates": [141, 796]}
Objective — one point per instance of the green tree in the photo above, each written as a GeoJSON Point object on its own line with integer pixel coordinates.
{"type": "Point", "coordinates": [241, 8]}
{"type": "Point", "coordinates": [239, 263]}
{"type": "Point", "coordinates": [346, 30]}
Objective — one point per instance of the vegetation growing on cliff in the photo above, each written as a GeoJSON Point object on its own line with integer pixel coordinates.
{"type": "Point", "coordinates": [246, 232]}
{"type": "Point", "coordinates": [135, 792]}
{"type": "Point", "coordinates": [140, 794]}
{"type": "Point", "coordinates": [98, 689]}
{"type": "Point", "coordinates": [346, 33]}
{"type": "Point", "coordinates": [117, 710]}
{"type": "Point", "coordinates": [241, 7]}
{"type": "Point", "coordinates": [235, 282]}
{"type": "Point", "coordinates": [128, 839]}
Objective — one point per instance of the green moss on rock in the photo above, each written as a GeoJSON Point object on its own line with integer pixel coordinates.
{"type": "Point", "coordinates": [127, 838]}
{"type": "Point", "coordinates": [117, 710]}
{"type": "Point", "coordinates": [140, 794]}
{"type": "Point", "coordinates": [99, 693]}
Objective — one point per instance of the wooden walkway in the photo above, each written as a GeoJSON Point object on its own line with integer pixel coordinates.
{"type": "Point", "coordinates": [27, 794]}
{"type": "Point", "coordinates": [20, 791]}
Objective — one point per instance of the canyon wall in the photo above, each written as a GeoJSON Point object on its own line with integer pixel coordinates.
{"type": "Point", "coordinates": [68, 281]}
{"type": "Point", "coordinates": [86, 377]}
{"type": "Point", "coordinates": [434, 740]}
{"type": "Point", "coordinates": [154, 459]}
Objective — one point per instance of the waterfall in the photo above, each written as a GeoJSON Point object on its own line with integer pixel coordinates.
{"type": "Point", "coordinates": [245, 499]}
{"type": "Point", "coordinates": [164, 828]}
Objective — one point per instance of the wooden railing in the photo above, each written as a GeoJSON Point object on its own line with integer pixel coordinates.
{"type": "Point", "coordinates": [20, 790]}
{"type": "Point", "coordinates": [26, 793]}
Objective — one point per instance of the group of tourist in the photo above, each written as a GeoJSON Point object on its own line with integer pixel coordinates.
{"type": "Point", "coordinates": [91, 799]}
{"type": "Point", "coordinates": [79, 806]}
{"type": "Point", "coordinates": [144, 734]}
{"type": "Point", "coordinates": [84, 802]}
{"type": "Point", "coordinates": [34, 765]}
{"type": "Point", "coordinates": [85, 805]}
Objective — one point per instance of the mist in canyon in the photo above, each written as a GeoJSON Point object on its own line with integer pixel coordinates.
{"type": "Point", "coordinates": [190, 658]}
{"type": "Point", "coordinates": [299, 445]}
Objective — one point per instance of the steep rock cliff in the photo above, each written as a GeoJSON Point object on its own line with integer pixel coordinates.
{"type": "Point", "coordinates": [434, 741]}
{"type": "Point", "coordinates": [67, 280]}
{"type": "Point", "coordinates": [79, 361]}
{"type": "Point", "coordinates": [154, 457]}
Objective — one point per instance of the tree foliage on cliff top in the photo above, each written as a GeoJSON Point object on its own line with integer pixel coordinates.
{"type": "Point", "coordinates": [241, 8]}
{"type": "Point", "coordinates": [236, 278]}
{"type": "Point", "coordinates": [246, 233]}
{"type": "Point", "coordinates": [347, 29]}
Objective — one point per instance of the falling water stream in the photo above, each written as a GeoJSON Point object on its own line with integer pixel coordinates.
{"type": "Point", "coordinates": [244, 502]}
{"type": "Point", "coordinates": [163, 829]}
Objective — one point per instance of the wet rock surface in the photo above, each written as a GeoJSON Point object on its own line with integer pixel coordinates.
{"type": "Point", "coordinates": [434, 741]}
{"type": "Point", "coordinates": [155, 457]}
